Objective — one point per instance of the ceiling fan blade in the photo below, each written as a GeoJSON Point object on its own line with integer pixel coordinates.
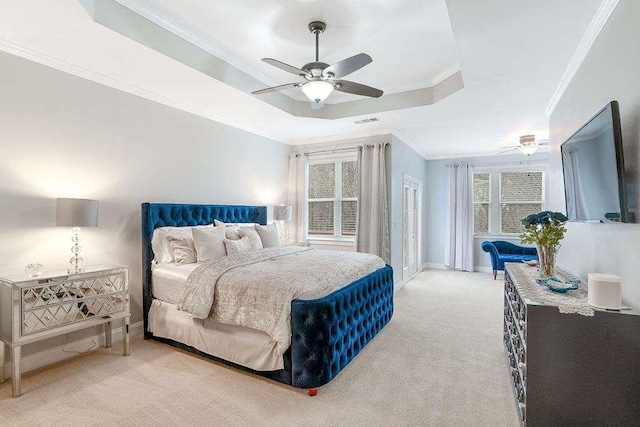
{"type": "Point", "coordinates": [347, 66]}
{"type": "Point", "coordinates": [275, 88]}
{"type": "Point", "coordinates": [357, 88]}
{"type": "Point", "coordinates": [286, 67]}
{"type": "Point", "coordinates": [506, 151]}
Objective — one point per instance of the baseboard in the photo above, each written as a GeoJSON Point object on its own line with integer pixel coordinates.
{"type": "Point", "coordinates": [58, 353]}
{"type": "Point", "coordinates": [484, 269]}
{"type": "Point", "coordinates": [434, 266]}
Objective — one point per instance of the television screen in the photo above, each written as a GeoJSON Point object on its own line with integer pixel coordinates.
{"type": "Point", "coordinates": [593, 167]}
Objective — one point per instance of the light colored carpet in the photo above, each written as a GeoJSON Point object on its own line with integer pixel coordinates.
{"type": "Point", "coordinates": [439, 362]}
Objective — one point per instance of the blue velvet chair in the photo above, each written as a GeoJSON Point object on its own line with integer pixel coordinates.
{"type": "Point", "coordinates": [502, 252]}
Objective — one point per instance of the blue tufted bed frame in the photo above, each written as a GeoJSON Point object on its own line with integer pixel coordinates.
{"type": "Point", "coordinates": [326, 333]}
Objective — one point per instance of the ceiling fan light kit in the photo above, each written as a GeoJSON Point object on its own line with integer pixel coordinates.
{"type": "Point", "coordinates": [320, 78]}
{"type": "Point", "coordinates": [317, 90]}
{"type": "Point", "coordinates": [528, 144]}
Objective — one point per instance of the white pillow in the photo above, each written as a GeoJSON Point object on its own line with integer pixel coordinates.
{"type": "Point", "coordinates": [182, 249]}
{"type": "Point", "coordinates": [253, 236]}
{"type": "Point", "coordinates": [160, 245]}
{"type": "Point", "coordinates": [268, 235]}
{"type": "Point", "coordinates": [237, 246]}
{"type": "Point", "coordinates": [209, 243]}
{"type": "Point", "coordinates": [235, 224]}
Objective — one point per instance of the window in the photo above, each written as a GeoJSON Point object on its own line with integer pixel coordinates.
{"type": "Point", "coordinates": [481, 202]}
{"type": "Point", "coordinates": [520, 196]}
{"type": "Point", "coordinates": [501, 198]}
{"type": "Point", "coordinates": [333, 201]}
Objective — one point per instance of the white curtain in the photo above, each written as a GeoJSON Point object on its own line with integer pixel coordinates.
{"type": "Point", "coordinates": [459, 241]}
{"type": "Point", "coordinates": [573, 189]}
{"type": "Point", "coordinates": [372, 235]}
{"type": "Point", "coordinates": [298, 198]}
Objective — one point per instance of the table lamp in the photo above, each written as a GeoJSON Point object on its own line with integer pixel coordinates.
{"type": "Point", "coordinates": [280, 215]}
{"type": "Point", "coordinates": [76, 213]}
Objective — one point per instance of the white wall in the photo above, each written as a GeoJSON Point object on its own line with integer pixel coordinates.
{"type": "Point", "coordinates": [62, 136]}
{"type": "Point", "coordinates": [404, 160]}
{"type": "Point", "coordinates": [610, 71]}
{"type": "Point", "coordinates": [437, 194]}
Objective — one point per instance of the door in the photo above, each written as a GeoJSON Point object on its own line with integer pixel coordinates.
{"type": "Point", "coordinates": [411, 214]}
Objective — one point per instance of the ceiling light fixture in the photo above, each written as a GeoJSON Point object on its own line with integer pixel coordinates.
{"type": "Point", "coordinates": [528, 144]}
{"type": "Point", "coordinates": [321, 79]}
{"type": "Point", "coordinates": [317, 90]}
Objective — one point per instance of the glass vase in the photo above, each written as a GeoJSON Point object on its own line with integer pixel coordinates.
{"type": "Point", "coordinates": [547, 260]}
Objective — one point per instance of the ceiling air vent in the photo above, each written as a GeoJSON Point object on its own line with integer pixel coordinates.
{"type": "Point", "coordinates": [369, 120]}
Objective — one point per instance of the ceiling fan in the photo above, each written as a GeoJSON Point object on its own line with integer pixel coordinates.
{"type": "Point", "coordinates": [528, 145]}
{"type": "Point", "coordinates": [321, 79]}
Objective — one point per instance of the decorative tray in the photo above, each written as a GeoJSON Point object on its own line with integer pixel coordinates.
{"type": "Point", "coordinates": [558, 285]}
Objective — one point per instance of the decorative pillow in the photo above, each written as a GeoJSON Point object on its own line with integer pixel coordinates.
{"type": "Point", "coordinates": [234, 224]}
{"type": "Point", "coordinates": [162, 252]}
{"type": "Point", "coordinates": [237, 246]}
{"type": "Point", "coordinates": [253, 236]}
{"type": "Point", "coordinates": [208, 243]}
{"type": "Point", "coordinates": [182, 249]}
{"type": "Point", "coordinates": [268, 235]}
{"type": "Point", "coordinates": [232, 232]}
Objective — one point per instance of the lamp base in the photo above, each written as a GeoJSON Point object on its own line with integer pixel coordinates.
{"type": "Point", "coordinates": [75, 270]}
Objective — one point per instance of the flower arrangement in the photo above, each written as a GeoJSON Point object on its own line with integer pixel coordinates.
{"type": "Point", "coordinates": [545, 230]}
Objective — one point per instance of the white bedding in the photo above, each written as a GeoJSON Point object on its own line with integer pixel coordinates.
{"type": "Point", "coordinates": [255, 289]}
{"type": "Point", "coordinates": [243, 346]}
{"type": "Point", "coordinates": [168, 281]}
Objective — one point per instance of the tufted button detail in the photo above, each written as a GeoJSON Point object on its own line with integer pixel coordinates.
{"type": "Point", "coordinates": [332, 330]}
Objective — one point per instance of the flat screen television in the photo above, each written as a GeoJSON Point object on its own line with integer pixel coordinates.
{"type": "Point", "coordinates": [593, 167]}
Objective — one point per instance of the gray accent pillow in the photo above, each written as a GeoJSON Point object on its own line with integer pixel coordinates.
{"type": "Point", "coordinates": [182, 249]}
{"type": "Point", "coordinates": [237, 246]}
{"type": "Point", "coordinates": [209, 243]}
{"type": "Point", "coordinates": [253, 236]}
{"type": "Point", "coordinates": [268, 235]}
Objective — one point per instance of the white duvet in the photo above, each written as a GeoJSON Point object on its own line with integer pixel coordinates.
{"type": "Point", "coordinates": [255, 288]}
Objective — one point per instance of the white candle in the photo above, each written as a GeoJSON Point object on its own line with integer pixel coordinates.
{"type": "Point", "coordinates": [605, 291]}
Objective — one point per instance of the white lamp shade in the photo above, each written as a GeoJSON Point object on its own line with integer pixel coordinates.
{"type": "Point", "coordinates": [77, 212]}
{"type": "Point", "coordinates": [282, 213]}
{"type": "Point", "coordinates": [317, 90]}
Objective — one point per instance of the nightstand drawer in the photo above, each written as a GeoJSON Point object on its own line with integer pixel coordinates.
{"type": "Point", "coordinates": [55, 315]}
{"type": "Point", "coordinates": [50, 303]}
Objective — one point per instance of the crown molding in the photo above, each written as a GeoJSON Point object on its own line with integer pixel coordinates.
{"type": "Point", "coordinates": [118, 84]}
{"type": "Point", "coordinates": [179, 27]}
{"type": "Point", "coordinates": [593, 31]}
{"type": "Point", "coordinates": [444, 75]}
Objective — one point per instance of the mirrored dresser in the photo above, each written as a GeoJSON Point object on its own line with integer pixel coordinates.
{"type": "Point", "coordinates": [56, 303]}
{"type": "Point", "coordinates": [570, 364]}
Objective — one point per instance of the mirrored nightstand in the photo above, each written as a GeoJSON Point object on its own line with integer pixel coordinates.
{"type": "Point", "coordinates": [56, 303]}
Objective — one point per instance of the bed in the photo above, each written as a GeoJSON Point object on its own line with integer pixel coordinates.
{"type": "Point", "coordinates": [326, 333]}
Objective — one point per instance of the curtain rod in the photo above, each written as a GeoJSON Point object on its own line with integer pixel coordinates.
{"type": "Point", "coordinates": [522, 163]}
{"type": "Point", "coordinates": [334, 150]}
{"type": "Point", "coordinates": [330, 151]}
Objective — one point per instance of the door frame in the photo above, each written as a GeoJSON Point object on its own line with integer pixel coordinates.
{"type": "Point", "coordinates": [407, 273]}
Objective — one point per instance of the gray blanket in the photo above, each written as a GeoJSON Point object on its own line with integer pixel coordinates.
{"type": "Point", "coordinates": [254, 289]}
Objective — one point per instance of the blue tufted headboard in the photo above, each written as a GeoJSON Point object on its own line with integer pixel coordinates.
{"type": "Point", "coordinates": [156, 215]}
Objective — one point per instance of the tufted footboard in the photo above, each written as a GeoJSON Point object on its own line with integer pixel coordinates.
{"type": "Point", "coordinates": [327, 333]}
